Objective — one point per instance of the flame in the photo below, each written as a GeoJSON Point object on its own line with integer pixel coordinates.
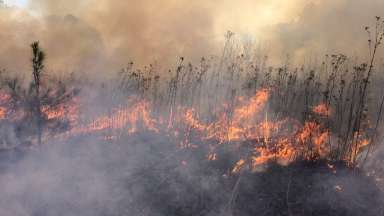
{"type": "Point", "coordinates": [283, 152]}
{"type": "Point", "coordinates": [69, 111]}
{"type": "Point", "coordinates": [60, 112]}
{"type": "Point", "coordinates": [4, 100]}
{"type": "Point", "coordinates": [272, 139]}
{"type": "Point", "coordinates": [313, 136]}
{"type": "Point", "coordinates": [360, 142]}
{"type": "Point", "coordinates": [239, 165]}
{"type": "Point", "coordinates": [53, 114]}
{"type": "Point", "coordinates": [212, 156]}
{"type": "Point", "coordinates": [237, 128]}
{"type": "Point", "coordinates": [3, 113]}
{"type": "Point", "coordinates": [322, 109]}
{"type": "Point", "coordinates": [247, 123]}
{"type": "Point", "coordinates": [244, 116]}
{"type": "Point", "coordinates": [130, 118]}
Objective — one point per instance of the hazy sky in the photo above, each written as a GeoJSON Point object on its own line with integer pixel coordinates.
{"type": "Point", "coordinates": [19, 3]}
{"type": "Point", "coordinates": [96, 35]}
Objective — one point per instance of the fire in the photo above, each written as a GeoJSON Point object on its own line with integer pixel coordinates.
{"type": "Point", "coordinates": [272, 139]}
{"type": "Point", "coordinates": [130, 118]}
{"type": "Point", "coordinates": [53, 114]}
{"type": "Point", "coordinates": [59, 112]}
{"type": "Point", "coordinates": [322, 109]}
{"type": "Point", "coordinates": [283, 152]}
{"type": "Point", "coordinates": [240, 127]}
{"type": "Point", "coordinates": [313, 136]}
{"type": "Point", "coordinates": [254, 106]}
{"type": "Point", "coordinates": [3, 112]}
{"type": "Point", "coordinates": [212, 156]}
{"type": "Point", "coordinates": [4, 98]}
{"type": "Point", "coordinates": [247, 123]}
{"type": "Point", "coordinates": [359, 144]}
{"type": "Point", "coordinates": [192, 121]}
{"type": "Point", "coordinates": [239, 165]}
{"type": "Point", "coordinates": [243, 116]}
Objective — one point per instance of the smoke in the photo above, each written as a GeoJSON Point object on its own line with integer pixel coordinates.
{"type": "Point", "coordinates": [70, 43]}
{"type": "Point", "coordinates": [327, 27]}
{"type": "Point", "coordinates": [101, 36]}
{"type": "Point", "coordinates": [57, 182]}
{"type": "Point", "coordinates": [145, 174]}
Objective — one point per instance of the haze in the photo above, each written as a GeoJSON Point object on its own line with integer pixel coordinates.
{"type": "Point", "coordinates": [103, 36]}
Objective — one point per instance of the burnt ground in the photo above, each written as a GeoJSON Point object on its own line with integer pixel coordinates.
{"type": "Point", "coordinates": [308, 188]}
{"type": "Point", "coordinates": [145, 175]}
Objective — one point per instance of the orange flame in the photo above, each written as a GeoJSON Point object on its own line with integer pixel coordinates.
{"type": "Point", "coordinates": [239, 165]}
{"type": "Point", "coordinates": [322, 109]}
{"type": "Point", "coordinates": [272, 140]}
{"type": "Point", "coordinates": [130, 118]}
{"type": "Point", "coordinates": [3, 112]}
{"type": "Point", "coordinates": [247, 124]}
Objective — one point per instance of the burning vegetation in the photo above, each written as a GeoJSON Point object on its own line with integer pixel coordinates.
{"type": "Point", "coordinates": [228, 136]}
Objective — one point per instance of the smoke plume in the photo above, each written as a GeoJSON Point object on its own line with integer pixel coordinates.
{"type": "Point", "coordinates": [100, 36]}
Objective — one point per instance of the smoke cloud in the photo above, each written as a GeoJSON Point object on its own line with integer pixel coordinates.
{"type": "Point", "coordinates": [100, 36]}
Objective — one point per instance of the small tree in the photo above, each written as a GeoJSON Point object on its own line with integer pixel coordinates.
{"type": "Point", "coordinates": [32, 104]}
{"type": "Point", "coordinates": [38, 66]}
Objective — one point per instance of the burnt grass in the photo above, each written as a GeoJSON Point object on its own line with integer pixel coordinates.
{"type": "Point", "coordinates": [184, 182]}
{"type": "Point", "coordinates": [202, 187]}
{"type": "Point", "coordinates": [301, 188]}
{"type": "Point", "coordinates": [308, 188]}
{"type": "Point", "coordinates": [146, 175]}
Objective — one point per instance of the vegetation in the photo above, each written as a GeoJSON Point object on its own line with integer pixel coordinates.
{"type": "Point", "coordinates": [27, 107]}
{"type": "Point", "coordinates": [344, 89]}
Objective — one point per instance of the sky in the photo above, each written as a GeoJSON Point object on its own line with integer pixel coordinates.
{"type": "Point", "coordinates": [105, 35]}
{"type": "Point", "coordinates": [18, 3]}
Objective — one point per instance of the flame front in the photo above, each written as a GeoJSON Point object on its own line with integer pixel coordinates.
{"type": "Point", "coordinates": [248, 123]}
